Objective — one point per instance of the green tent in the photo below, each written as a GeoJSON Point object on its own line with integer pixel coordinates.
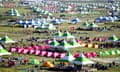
{"type": "Point", "coordinates": [117, 51]}
{"type": "Point", "coordinates": [113, 38]}
{"type": "Point", "coordinates": [93, 25]}
{"type": "Point", "coordinates": [64, 44]}
{"type": "Point", "coordinates": [67, 58]}
{"type": "Point", "coordinates": [74, 43]}
{"type": "Point", "coordinates": [6, 39]}
{"type": "Point", "coordinates": [82, 60]}
{"type": "Point", "coordinates": [112, 52]}
{"type": "Point", "coordinates": [100, 53]}
{"type": "Point", "coordinates": [57, 34]}
{"type": "Point", "coordinates": [105, 53]}
{"type": "Point", "coordinates": [86, 24]}
{"type": "Point", "coordinates": [54, 43]}
{"type": "Point", "coordinates": [67, 35]}
{"type": "Point", "coordinates": [4, 52]}
{"type": "Point", "coordinates": [34, 62]}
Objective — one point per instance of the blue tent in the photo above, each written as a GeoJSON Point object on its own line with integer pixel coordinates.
{"type": "Point", "coordinates": [75, 20]}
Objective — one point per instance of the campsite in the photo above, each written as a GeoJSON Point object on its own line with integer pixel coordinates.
{"type": "Point", "coordinates": [59, 35]}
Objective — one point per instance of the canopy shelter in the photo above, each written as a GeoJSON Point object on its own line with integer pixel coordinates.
{"type": "Point", "coordinates": [67, 58]}
{"type": "Point", "coordinates": [6, 39]}
{"type": "Point", "coordinates": [4, 52]}
{"type": "Point", "coordinates": [82, 60]}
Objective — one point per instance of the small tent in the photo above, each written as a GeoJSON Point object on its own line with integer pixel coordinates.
{"type": "Point", "coordinates": [34, 62]}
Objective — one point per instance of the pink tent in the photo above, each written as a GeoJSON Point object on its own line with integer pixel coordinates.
{"type": "Point", "coordinates": [78, 41]}
{"type": "Point", "coordinates": [35, 47]}
{"type": "Point", "coordinates": [37, 52]}
{"type": "Point", "coordinates": [19, 50]}
{"type": "Point", "coordinates": [31, 51]}
{"type": "Point", "coordinates": [25, 51]}
{"type": "Point", "coordinates": [61, 55]}
{"type": "Point", "coordinates": [88, 55]}
{"type": "Point", "coordinates": [77, 55]}
{"type": "Point", "coordinates": [41, 47]}
{"type": "Point", "coordinates": [94, 54]}
{"type": "Point", "coordinates": [12, 50]}
{"type": "Point", "coordinates": [55, 54]}
{"type": "Point", "coordinates": [47, 47]}
{"type": "Point", "coordinates": [47, 41]}
{"type": "Point", "coordinates": [49, 54]}
{"type": "Point", "coordinates": [27, 47]}
{"type": "Point", "coordinates": [43, 53]}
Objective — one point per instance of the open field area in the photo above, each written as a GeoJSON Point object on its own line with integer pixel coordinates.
{"type": "Point", "coordinates": [25, 37]}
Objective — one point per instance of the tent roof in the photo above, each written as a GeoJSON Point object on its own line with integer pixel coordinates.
{"type": "Point", "coordinates": [67, 58]}
{"type": "Point", "coordinates": [82, 60]}
{"type": "Point", "coordinates": [113, 38]}
{"type": "Point", "coordinates": [4, 52]}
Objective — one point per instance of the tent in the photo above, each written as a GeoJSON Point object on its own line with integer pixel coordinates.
{"type": "Point", "coordinates": [64, 44]}
{"type": "Point", "coordinates": [112, 38]}
{"type": "Point", "coordinates": [74, 43]}
{"type": "Point", "coordinates": [34, 62]}
{"type": "Point", "coordinates": [93, 25]}
{"type": "Point", "coordinates": [54, 43]}
{"type": "Point", "coordinates": [67, 58]}
{"type": "Point", "coordinates": [75, 20]}
{"type": "Point", "coordinates": [67, 35]}
{"type": "Point", "coordinates": [4, 52]}
{"type": "Point", "coordinates": [112, 52]}
{"type": "Point", "coordinates": [85, 24]}
{"type": "Point", "coordinates": [82, 60]}
{"type": "Point", "coordinates": [117, 51]}
{"type": "Point", "coordinates": [57, 34]}
{"type": "Point", "coordinates": [46, 27]}
{"type": "Point", "coordinates": [6, 39]}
